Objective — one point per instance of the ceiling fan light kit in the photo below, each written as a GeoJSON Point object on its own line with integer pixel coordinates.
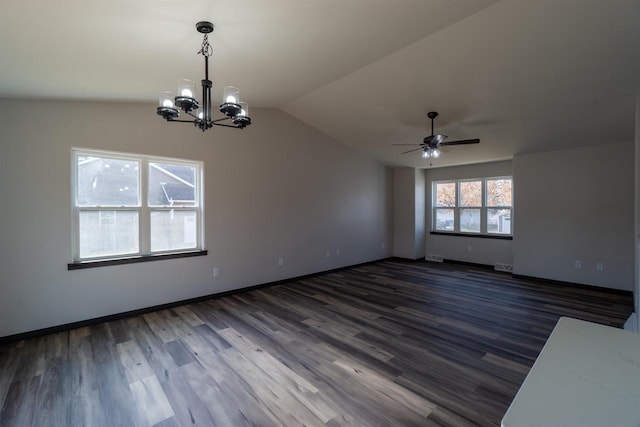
{"type": "Point", "coordinates": [233, 109]}
{"type": "Point", "coordinates": [430, 153]}
{"type": "Point", "coordinates": [431, 144]}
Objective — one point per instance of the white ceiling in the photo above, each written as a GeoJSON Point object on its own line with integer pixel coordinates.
{"type": "Point", "coordinates": [521, 75]}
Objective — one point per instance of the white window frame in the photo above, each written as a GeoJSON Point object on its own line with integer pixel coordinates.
{"type": "Point", "coordinates": [143, 209]}
{"type": "Point", "coordinates": [456, 209]}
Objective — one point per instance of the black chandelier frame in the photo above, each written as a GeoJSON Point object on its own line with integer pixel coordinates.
{"type": "Point", "coordinates": [233, 111]}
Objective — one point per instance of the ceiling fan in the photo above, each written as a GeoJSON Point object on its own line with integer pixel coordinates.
{"type": "Point", "coordinates": [431, 144]}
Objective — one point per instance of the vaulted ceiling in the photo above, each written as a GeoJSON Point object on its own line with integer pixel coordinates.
{"type": "Point", "coordinates": [521, 75]}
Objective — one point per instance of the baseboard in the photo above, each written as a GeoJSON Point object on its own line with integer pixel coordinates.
{"type": "Point", "coordinates": [631, 324]}
{"type": "Point", "coordinates": [137, 312]}
{"type": "Point", "coordinates": [398, 259]}
{"type": "Point", "coordinates": [519, 276]}
{"type": "Point", "coordinates": [441, 261]}
{"type": "Point", "coordinates": [472, 264]}
{"type": "Point", "coordinates": [573, 285]}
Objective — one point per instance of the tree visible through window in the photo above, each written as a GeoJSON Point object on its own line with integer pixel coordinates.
{"type": "Point", "coordinates": [446, 200]}
{"type": "Point", "coordinates": [478, 206]}
{"type": "Point", "coordinates": [131, 205]}
{"type": "Point", "coordinates": [499, 204]}
{"type": "Point", "coordinates": [470, 206]}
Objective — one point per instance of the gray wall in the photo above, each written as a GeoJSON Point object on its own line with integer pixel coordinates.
{"type": "Point", "coordinates": [276, 189]}
{"type": "Point", "coordinates": [420, 207]}
{"type": "Point", "coordinates": [468, 249]}
{"type": "Point", "coordinates": [575, 205]}
{"type": "Point", "coordinates": [636, 258]}
{"type": "Point", "coordinates": [408, 213]}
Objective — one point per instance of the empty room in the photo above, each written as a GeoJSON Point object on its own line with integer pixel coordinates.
{"type": "Point", "coordinates": [319, 213]}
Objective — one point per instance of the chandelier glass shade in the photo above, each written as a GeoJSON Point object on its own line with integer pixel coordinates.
{"type": "Point", "coordinates": [171, 105]}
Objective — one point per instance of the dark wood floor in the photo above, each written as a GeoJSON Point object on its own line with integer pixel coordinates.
{"type": "Point", "coordinates": [386, 344]}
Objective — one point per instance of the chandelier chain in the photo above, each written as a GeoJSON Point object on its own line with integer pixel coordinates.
{"type": "Point", "coordinates": [206, 49]}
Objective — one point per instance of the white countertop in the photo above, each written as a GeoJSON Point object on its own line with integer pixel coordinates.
{"type": "Point", "coordinates": [586, 375]}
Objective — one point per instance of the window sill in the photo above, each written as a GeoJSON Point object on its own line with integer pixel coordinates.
{"type": "Point", "coordinates": [481, 236]}
{"type": "Point", "coordinates": [133, 260]}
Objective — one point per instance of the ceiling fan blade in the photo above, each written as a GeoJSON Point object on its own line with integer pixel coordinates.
{"type": "Point", "coordinates": [461, 142]}
{"type": "Point", "coordinates": [411, 151]}
{"type": "Point", "coordinates": [406, 144]}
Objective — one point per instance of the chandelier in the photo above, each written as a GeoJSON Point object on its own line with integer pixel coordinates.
{"type": "Point", "coordinates": [234, 110]}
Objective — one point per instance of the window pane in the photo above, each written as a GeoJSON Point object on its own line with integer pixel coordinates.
{"type": "Point", "coordinates": [108, 233]}
{"type": "Point", "coordinates": [107, 182]}
{"type": "Point", "coordinates": [446, 194]}
{"type": "Point", "coordinates": [499, 221]}
{"type": "Point", "coordinates": [173, 230]}
{"type": "Point", "coordinates": [172, 185]}
{"type": "Point", "coordinates": [471, 193]}
{"type": "Point", "coordinates": [470, 220]}
{"type": "Point", "coordinates": [444, 219]}
{"type": "Point", "coordinates": [499, 192]}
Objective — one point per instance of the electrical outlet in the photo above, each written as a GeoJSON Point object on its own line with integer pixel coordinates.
{"type": "Point", "coordinates": [327, 254]}
{"type": "Point", "coordinates": [599, 266]}
{"type": "Point", "coordinates": [577, 264]}
{"type": "Point", "coordinates": [216, 272]}
{"type": "Point", "coordinates": [469, 248]}
{"type": "Point", "coordinates": [280, 262]}
{"type": "Point", "coordinates": [383, 246]}
{"type": "Point", "coordinates": [337, 252]}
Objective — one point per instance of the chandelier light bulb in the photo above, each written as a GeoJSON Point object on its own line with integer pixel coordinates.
{"type": "Point", "coordinates": [166, 100]}
{"type": "Point", "coordinates": [244, 109]}
{"type": "Point", "coordinates": [231, 95]}
{"type": "Point", "coordinates": [435, 153]}
{"type": "Point", "coordinates": [425, 154]}
{"type": "Point", "coordinates": [186, 88]}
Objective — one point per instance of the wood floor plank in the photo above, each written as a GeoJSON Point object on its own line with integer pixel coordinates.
{"type": "Point", "coordinates": [188, 316]}
{"type": "Point", "coordinates": [297, 386]}
{"type": "Point", "coordinates": [387, 389]}
{"type": "Point", "coordinates": [17, 409]}
{"type": "Point", "coordinates": [275, 397]}
{"type": "Point", "coordinates": [115, 397]}
{"type": "Point", "coordinates": [132, 359]}
{"type": "Point", "coordinates": [219, 396]}
{"type": "Point", "coordinates": [391, 343]}
{"type": "Point", "coordinates": [49, 409]}
{"type": "Point", "coordinates": [83, 394]}
{"type": "Point", "coordinates": [8, 365]}
{"type": "Point", "coordinates": [151, 402]}
{"type": "Point", "coordinates": [188, 408]}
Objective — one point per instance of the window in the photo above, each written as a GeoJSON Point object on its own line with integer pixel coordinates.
{"type": "Point", "coordinates": [127, 205]}
{"type": "Point", "coordinates": [481, 206]}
